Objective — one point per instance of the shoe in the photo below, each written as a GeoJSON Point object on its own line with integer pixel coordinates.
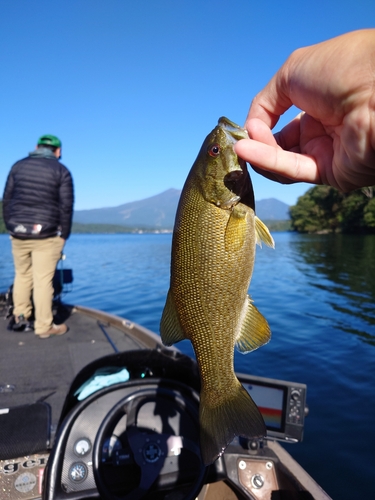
{"type": "Point", "coordinates": [54, 330]}
{"type": "Point", "coordinates": [20, 324]}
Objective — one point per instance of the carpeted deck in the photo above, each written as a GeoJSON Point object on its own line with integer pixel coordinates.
{"type": "Point", "coordinates": [32, 369]}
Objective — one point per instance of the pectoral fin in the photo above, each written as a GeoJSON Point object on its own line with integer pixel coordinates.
{"type": "Point", "coordinates": [235, 232]}
{"type": "Point", "coordinates": [254, 331]}
{"type": "Point", "coordinates": [170, 328]}
{"type": "Point", "coordinates": [262, 234]}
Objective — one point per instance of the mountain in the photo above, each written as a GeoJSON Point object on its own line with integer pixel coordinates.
{"type": "Point", "coordinates": [158, 212]}
{"type": "Point", "coordinates": [272, 209]}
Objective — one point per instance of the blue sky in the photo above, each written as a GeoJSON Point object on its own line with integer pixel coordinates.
{"type": "Point", "coordinates": [133, 87]}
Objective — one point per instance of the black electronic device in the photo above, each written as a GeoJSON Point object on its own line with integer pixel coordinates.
{"type": "Point", "coordinates": [281, 403]}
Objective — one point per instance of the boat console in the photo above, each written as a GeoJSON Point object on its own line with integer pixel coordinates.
{"type": "Point", "coordinates": [129, 430]}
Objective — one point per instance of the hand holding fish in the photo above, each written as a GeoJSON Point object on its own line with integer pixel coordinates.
{"type": "Point", "coordinates": [333, 140]}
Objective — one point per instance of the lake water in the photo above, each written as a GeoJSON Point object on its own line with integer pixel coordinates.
{"type": "Point", "coordinates": [318, 294]}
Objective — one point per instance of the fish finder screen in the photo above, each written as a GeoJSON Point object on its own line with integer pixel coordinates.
{"type": "Point", "coordinates": [270, 401]}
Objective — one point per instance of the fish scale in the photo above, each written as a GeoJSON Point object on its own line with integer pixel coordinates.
{"type": "Point", "coordinates": [213, 251]}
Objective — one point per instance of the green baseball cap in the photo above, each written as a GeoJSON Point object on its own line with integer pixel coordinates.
{"type": "Point", "coordinates": [49, 140]}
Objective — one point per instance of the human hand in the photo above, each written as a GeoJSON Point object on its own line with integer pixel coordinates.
{"type": "Point", "coordinates": [333, 140]}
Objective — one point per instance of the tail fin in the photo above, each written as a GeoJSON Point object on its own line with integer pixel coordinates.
{"type": "Point", "coordinates": [237, 416]}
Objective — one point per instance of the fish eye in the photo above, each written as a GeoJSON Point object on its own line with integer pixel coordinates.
{"type": "Point", "coordinates": [214, 150]}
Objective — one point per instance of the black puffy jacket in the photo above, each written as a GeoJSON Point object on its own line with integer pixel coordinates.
{"type": "Point", "coordinates": [38, 197]}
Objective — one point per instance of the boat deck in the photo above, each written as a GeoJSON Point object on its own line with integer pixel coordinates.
{"type": "Point", "coordinates": [34, 369]}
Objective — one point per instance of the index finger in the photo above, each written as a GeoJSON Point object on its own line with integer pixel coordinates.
{"type": "Point", "coordinates": [294, 166]}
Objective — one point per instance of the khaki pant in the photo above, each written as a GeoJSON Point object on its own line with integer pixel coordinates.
{"type": "Point", "coordinates": [35, 263]}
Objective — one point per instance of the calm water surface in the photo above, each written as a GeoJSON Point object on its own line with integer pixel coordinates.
{"type": "Point", "coordinates": [318, 294]}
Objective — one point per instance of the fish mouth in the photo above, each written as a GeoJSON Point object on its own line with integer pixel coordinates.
{"type": "Point", "coordinates": [231, 179]}
{"type": "Point", "coordinates": [233, 176]}
{"type": "Point", "coordinates": [232, 130]}
{"type": "Point", "coordinates": [239, 183]}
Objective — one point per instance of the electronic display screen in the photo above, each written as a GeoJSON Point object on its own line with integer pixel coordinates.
{"type": "Point", "coordinates": [271, 404]}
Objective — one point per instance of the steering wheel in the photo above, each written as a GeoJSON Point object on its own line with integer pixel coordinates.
{"type": "Point", "coordinates": [148, 462]}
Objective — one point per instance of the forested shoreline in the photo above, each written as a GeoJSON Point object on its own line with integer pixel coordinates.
{"type": "Point", "coordinates": [324, 209]}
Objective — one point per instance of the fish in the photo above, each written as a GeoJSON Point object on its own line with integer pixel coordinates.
{"type": "Point", "coordinates": [212, 259]}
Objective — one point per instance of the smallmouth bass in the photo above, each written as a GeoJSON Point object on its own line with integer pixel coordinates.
{"type": "Point", "coordinates": [213, 252]}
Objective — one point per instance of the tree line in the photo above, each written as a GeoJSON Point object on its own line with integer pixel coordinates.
{"type": "Point", "coordinates": [325, 209]}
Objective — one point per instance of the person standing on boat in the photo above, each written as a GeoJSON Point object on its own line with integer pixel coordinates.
{"type": "Point", "coordinates": [37, 209]}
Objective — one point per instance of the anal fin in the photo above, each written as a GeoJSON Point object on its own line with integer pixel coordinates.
{"type": "Point", "coordinates": [254, 331]}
